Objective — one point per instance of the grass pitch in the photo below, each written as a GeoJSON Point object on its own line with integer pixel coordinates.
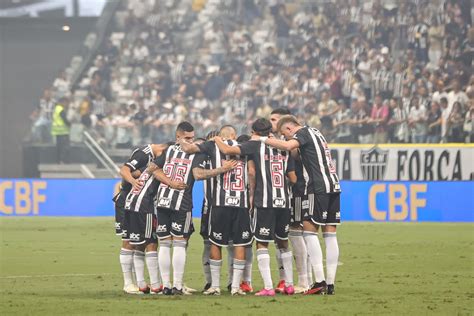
{"type": "Point", "coordinates": [53, 266]}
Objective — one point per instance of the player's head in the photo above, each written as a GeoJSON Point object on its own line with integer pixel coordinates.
{"type": "Point", "coordinates": [262, 127]}
{"type": "Point", "coordinates": [275, 116]}
{"type": "Point", "coordinates": [212, 134]}
{"type": "Point", "coordinates": [185, 131]}
{"type": "Point", "coordinates": [288, 125]}
{"type": "Point", "coordinates": [228, 132]}
{"type": "Point", "coordinates": [243, 138]}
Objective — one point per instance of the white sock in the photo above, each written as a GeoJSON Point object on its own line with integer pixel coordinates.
{"type": "Point", "coordinates": [179, 261]}
{"type": "Point", "coordinates": [215, 266]}
{"type": "Point", "coordinates": [230, 263]}
{"type": "Point", "coordinates": [239, 267]}
{"type": "Point", "coordinates": [126, 261]}
{"type": "Point", "coordinates": [263, 259]}
{"type": "Point", "coordinates": [332, 256]}
{"type": "Point", "coordinates": [248, 264]}
{"type": "Point", "coordinates": [281, 269]}
{"type": "Point", "coordinates": [205, 260]}
{"type": "Point", "coordinates": [287, 262]}
{"type": "Point", "coordinates": [139, 264]}
{"type": "Point", "coordinates": [315, 254]}
{"type": "Point", "coordinates": [310, 271]}
{"type": "Point", "coordinates": [301, 256]}
{"type": "Point", "coordinates": [151, 258]}
{"type": "Point", "coordinates": [164, 261]}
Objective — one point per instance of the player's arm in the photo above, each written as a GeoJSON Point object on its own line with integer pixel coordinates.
{"type": "Point", "coordinates": [226, 149]}
{"type": "Point", "coordinates": [287, 145]}
{"type": "Point", "coordinates": [200, 173]}
{"type": "Point", "coordinates": [291, 170]}
{"type": "Point", "coordinates": [189, 148]}
{"type": "Point", "coordinates": [159, 175]}
{"type": "Point", "coordinates": [252, 180]}
{"type": "Point", "coordinates": [126, 174]}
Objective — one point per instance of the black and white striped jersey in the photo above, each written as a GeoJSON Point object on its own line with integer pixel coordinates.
{"type": "Point", "coordinates": [138, 160]}
{"type": "Point", "coordinates": [299, 188]}
{"type": "Point", "coordinates": [230, 188]}
{"type": "Point", "coordinates": [319, 169]}
{"type": "Point", "coordinates": [272, 165]}
{"type": "Point", "coordinates": [142, 200]}
{"type": "Point", "coordinates": [208, 191]}
{"type": "Point", "coordinates": [178, 165]}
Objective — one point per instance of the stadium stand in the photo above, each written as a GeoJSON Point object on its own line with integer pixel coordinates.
{"type": "Point", "coordinates": [361, 71]}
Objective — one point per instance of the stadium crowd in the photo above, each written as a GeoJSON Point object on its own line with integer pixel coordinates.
{"type": "Point", "coordinates": [361, 71]}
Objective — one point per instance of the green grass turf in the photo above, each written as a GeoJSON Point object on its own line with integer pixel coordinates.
{"type": "Point", "coordinates": [66, 266]}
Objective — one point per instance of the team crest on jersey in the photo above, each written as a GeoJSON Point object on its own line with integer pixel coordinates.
{"type": "Point", "coordinates": [305, 204]}
{"type": "Point", "coordinates": [134, 237]}
{"type": "Point", "coordinates": [264, 231]}
{"type": "Point", "coordinates": [164, 202]}
{"type": "Point", "coordinates": [217, 236]}
{"type": "Point", "coordinates": [373, 163]}
{"type": "Point", "coordinates": [161, 228]}
{"type": "Point", "coordinates": [279, 202]}
{"type": "Point", "coordinates": [245, 235]}
{"type": "Point", "coordinates": [232, 200]}
{"type": "Point", "coordinates": [176, 226]}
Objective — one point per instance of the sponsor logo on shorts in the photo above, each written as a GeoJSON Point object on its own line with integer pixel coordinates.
{"type": "Point", "coordinates": [161, 228]}
{"type": "Point", "coordinates": [287, 228]}
{"type": "Point", "coordinates": [176, 226]}
{"type": "Point", "coordinates": [305, 204]}
{"type": "Point", "coordinates": [118, 225]}
{"type": "Point", "coordinates": [325, 215]}
{"type": "Point", "coordinates": [338, 215]}
{"type": "Point", "coordinates": [278, 202]}
{"type": "Point", "coordinates": [245, 235]}
{"type": "Point", "coordinates": [164, 202]}
{"type": "Point", "coordinates": [264, 231]}
{"type": "Point", "coordinates": [232, 200]}
{"type": "Point", "coordinates": [134, 237]}
{"type": "Point", "coordinates": [217, 236]}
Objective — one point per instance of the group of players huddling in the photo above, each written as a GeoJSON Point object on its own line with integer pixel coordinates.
{"type": "Point", "coordinates": [276, 185]}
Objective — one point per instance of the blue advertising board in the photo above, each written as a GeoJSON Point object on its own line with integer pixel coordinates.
{"type": "Point", "coordinates": [437, 201]}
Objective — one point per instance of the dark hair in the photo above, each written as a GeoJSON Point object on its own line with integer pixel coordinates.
{"type": "Point", "coordinates": [281, 111]}
{"type": "Point", "coordinates": [212, 134]}
{"type": "Point", "coordinates": [443, 100]}
{"type": "Point", "coordinates": [243, 138]}
{"type": "Point", "coordinates": [262, 127]}
{"type": "Point", "coordinates": [185, 127]}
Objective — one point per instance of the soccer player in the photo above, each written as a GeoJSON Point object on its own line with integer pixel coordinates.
{"type": "Point", "coordinates": [274, 118]}
{"type": "Point", "coordinates": [272, 214]}
{"type": "Point", "coordinates": [174, 206]}
{"type": "Point", "coordinates": [140, 203]}
{"type": "Point", "coordinates": [206, 208]}
{"type": "Point", "coordinates": [323, 196]}
{"type": "Point", "coordinates": [229, 217]}
{"type": "Point", "coordinates": [129, 172]}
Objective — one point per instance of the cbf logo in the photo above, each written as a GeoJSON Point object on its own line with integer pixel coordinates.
{"type": "Point", "coordinates": [373, 163]}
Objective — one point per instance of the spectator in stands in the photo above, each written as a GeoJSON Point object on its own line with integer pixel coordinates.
{"type": "Point", "coordinates": [455, 124]}
{"type": "Point", "coordinates": [379, 118]}
{"type": "Point", "coordinates": [417, 121]}
{"type": "Point", "coordinates": [124, 127]}
{"type": "Point", "coordinates": [469, 125]}
{"type": "Point", "coordinates": [362, 129]}
{"type": "Point", "coordinates": [342, 123]}
{"type": "Point", "coordinates": [434, 124]}
{"type": "Point", "coordinates": [398, 122]}
{"type": "Point", "coordinates": [60, 129]}
{"type": "Point", "coordinates": [41, 117]}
